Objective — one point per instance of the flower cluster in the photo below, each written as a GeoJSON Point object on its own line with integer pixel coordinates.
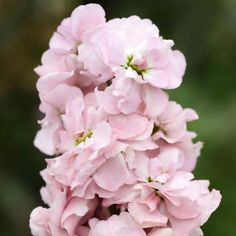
{"type": "Point", "coordinates": [123, 156]}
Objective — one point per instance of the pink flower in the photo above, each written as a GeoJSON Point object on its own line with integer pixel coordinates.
{"type": "Point", "coordinates": [188, 151]}
{"type": "Point", "coordinates": [63, 217]}
{"type": "Point", "coordinates": [72, 170]}
{"type": "Point", "coordinates": [85, 127]}
{"type": "Point", "coordinates": [60, 70]}
{"type": "Point", "coordinates": [171, 125]}
{"type": "Point", "coordinates": [187, 204]}
{"type": "Point", "coordinates": [85, 176]}
{"type": "Point", "coordinates": [188, 224]}
{"type": "Point", "coordinates": [159, 167]}
{"type": "Point", "coordinates": [116, 226]}
{"type": "Point", "coordinates": [124, 156]}
{"type": "Point", "coordinates": [166, 194]}
{"type": "Point", "coordinates": [154, 62]}
{"type": "Point", "coordinates": [144, 57]}
{"type": "Point", "coordinates": [61, 57]}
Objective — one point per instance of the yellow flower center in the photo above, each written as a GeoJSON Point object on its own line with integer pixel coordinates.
{"type": "Point", "coordinates": [83, 137]}
{"type": "Point", "coordinates": [140, 71]}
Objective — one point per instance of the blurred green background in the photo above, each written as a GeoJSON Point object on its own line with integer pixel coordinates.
{"type": "Point", "coordinates": [205, 30]}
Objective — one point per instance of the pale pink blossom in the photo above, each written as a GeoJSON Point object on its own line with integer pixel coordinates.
{"type": "Point", "coordinates": [85, 127]}
{"type": "Point", "coordinates": [144, 57]}
{"type": "Point", "coordinates": [60, 71]}
{"type": "Point", "coordinates": [61, 56]}
{"type": "Point", "coordinates": [188, 151]}
{"type": "Point", "coordinates": [63, 217]}
{"type": "Point", "coordinates": [171, 125]}
{"type": "Point", "coordinates": [181, 200]}
{"type": "Point", "coordinates": [85, 176]}
{"type": "Point", "coordinates": [123, 153]}
{"type": "Point", "coordinates": [167, 195]}
{"type": "Point", "coordinates": [161, 167]}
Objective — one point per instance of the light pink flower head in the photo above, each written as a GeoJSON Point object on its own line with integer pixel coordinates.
{"type": "Point", "coordinates": [123, 154]}
{"type": "Point", "coordinates": [144, 57]}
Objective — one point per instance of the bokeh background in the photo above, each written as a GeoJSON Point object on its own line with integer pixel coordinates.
{"type": "Point", "coordinates": [205, 30]}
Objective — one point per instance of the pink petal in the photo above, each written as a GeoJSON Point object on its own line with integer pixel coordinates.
{"type": "Point", "coordinates": [112, 180]}
{"type": "Point", "coordinates": [85, 18]}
